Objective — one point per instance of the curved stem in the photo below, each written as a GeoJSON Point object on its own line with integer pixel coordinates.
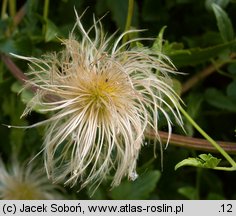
{"type": "Point", "coordinates": [128, 19]}
{"type": "Point", "coordinates": [225, 168]}
{"type": "Point", "coordinates": [207, 137]}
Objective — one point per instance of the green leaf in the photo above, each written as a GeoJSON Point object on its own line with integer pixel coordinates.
{"type": "Point", "coordinates": [31, 8]}
{"type": "Point", "coordinates": [152, 10]}
{"type": "Point", "coordinates": [193, 105]}
{"type": "Point", "coordinates": [9, 105]}
{"type": "Point", "coordinates": [224, 24]}
{"type": "Point", "coordinates": [119, 11]}
{"type": "Point", "coordinates": [138, 189]}
{"type": "Point", "coordinates": [198, 55]}
{"type": "Point", "coordinates": [23, 44]}
{"type": "Point", "coordinates": [203, 161]}
{"type": "Point", "coordinates": [5, 23]}
{"type": "Point", "coordinates": [98, 194]}
{"type": "Point", "coordinates": [7, 46]}
{"type": "Point", "coordinates": [217, 99]}
{"type": "Point", "coordinates": [158, 43]}
{"type": "Point", "coordinates": [232, 68]}
{"type": "Point", "coordinates": [25, 95]}
{"type": "Point", "coordinates": [177, 86]}
{"type": "Point", "coordinates": [215, 196]}
{"type": "Point", "coordinates": [188, 162]}
{"type": "Point", "coordinates": [51, 31]}
{"type": "Point", "coordinates": [208, 161]}
{"type": "Point", "coordinates": [189, 192]}
{"type": "Point", "coordinates": [231, 91]}
{"type": "Point", "coordinates": [18, 45]}
{"type": "Point", "coordinates": [221, 3]}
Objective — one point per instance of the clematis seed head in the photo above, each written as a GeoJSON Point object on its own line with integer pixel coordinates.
{"type": "Point", "coordinates": [103, 96]}
{"type": "Point", "coordinates": [22, 181]}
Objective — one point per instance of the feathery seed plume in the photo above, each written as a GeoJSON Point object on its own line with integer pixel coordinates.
{"type": "Point", "coordinates": [104, 95]}
{"type": "Point", "coordinates": [24, 182]}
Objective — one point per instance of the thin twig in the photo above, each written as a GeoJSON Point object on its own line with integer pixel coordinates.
{"type": "Point", "coordinates": [19, 15]}
{"type": "Point", "coordinates": [16, 72]}
{"type": "Point", "coordinates": [19, 75]}
{"type": "Point", "coordinates": [193, 143]}
{"type": "Point", "coordinates": [204, 73]}
{"type": "Point", "coordinates": [16, 20]}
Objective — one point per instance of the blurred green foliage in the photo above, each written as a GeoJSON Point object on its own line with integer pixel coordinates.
{"type": "Point", "coordinates": [198, 34]}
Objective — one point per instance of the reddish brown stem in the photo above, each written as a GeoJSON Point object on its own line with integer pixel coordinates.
{"type": "Point", "coordinates": [19, 15]}
{"type": "Point", "coordinates": [19, 75]}
{"type": "Point", "coordinates": [16, 20]}
{"type": "Point", "coordinates": [193, 143]}
{"type": "Point", "coordinates": [203, 74]}
{"type": "Point", "coordinates": [16, 72]}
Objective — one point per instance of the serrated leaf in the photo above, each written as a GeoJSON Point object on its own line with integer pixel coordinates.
{"type": "Point", "coordinates": [208, 161]}
{"type": "Point", "coordinates": [138, 189]}
{"type": "Point", "coordinates": [224, 23]}
{"type": "Point", "coordinates": [203, 161]}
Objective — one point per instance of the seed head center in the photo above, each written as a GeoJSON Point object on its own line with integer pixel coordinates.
{"type": "Point", "coordinates": [103, 91]}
